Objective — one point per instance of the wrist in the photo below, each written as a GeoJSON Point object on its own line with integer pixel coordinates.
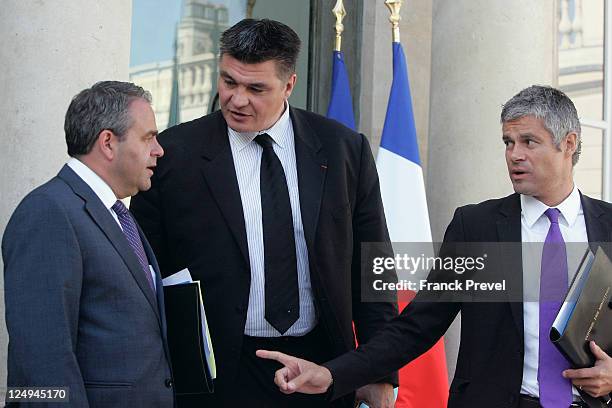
{"type": "Point", "coordinates": [330, 384]}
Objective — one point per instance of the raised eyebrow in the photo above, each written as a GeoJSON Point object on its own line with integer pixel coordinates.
{"type": "Point", "coordinates": [257, 85]}
{"type": "Point", "coordinates": [225, 75]}
{"type": "Point", "coordinates": [528, 136]}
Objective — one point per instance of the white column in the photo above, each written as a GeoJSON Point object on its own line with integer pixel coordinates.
{"type": "Point", "coordinates": [483, 53]}
{"type": "Point", "coordinates": [50, 50]}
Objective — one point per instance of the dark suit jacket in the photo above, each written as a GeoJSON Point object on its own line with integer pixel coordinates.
{"type": "Point", "coordinates": [490, 362]}
{"type": "Point", "coordinates": [79, 310]}
{"type": "Point", "coordinates": [193, 218]}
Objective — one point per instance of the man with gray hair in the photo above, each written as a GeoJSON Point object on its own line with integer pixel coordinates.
{"type": "Point", "coordinates": [84, 298]}
{"type": "Point", "coordinates": [505, 358]}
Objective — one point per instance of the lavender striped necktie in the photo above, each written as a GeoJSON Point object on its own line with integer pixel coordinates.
{"type": "Point", "coordinates": [555, 391]}
{"type": "Point", "coordinates": [131, 233]}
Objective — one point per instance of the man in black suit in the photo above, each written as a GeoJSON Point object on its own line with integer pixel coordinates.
{"type": "Point", "coordinates": [504, 359]}
{"type": "Point", "coordinates": [267, 205]}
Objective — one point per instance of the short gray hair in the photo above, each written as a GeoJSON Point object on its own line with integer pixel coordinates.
{"type": "Point", "coordinates": [103, 106]}
{"type": "Point", "coordinates": [556, 110]}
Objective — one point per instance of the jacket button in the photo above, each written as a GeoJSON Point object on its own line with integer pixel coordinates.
{"type": "Point", "coordinates": [168, 383]}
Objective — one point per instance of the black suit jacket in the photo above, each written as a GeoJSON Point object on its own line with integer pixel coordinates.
{"type": "Point", "coordinates": [490, 362]}
{"type": "Point", "coordinates": [193, 218]}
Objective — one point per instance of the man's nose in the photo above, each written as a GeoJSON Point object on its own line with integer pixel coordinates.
{"type": "Point", "coordinates": [517, 153]}
{"type": "Point", "coordinates": [240, 98]}
{"type": "Point", "coordinates": [158, 150]}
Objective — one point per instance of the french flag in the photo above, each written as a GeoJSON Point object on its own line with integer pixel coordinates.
{"type": "Point", "coordinates": [423, 382]}
{"type": "Point", "coordinates": [399, 166]}
{"type": "Point", "coordinates": [340, 105]}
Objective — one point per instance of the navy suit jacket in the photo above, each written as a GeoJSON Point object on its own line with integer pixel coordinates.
{"type": "Point", "coordinates": [79, 310]}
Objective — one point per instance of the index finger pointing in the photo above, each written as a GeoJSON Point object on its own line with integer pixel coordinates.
{"type": "Point", "coordinates": [275, 355]}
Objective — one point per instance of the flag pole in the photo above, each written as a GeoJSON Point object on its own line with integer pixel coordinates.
{"type": "Point", "coordinates": [249, 8]}
{"type": "Point", "coordinates": [394, 7]}
{"type": "Point", "coordinates": [340, 13]}
{"type": "Point", "coordinates": [340, 105]}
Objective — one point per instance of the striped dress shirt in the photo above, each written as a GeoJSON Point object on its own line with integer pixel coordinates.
{"type": "Point", "coordinates": [247, 160]}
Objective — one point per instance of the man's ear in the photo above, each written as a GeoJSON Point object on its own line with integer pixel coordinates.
{"type": "Point", "coordinates": [290, 85]}
{"type": "Point", "coordinates": [105, 144]}
{"type": "Point", "coordinates": [571, 143]}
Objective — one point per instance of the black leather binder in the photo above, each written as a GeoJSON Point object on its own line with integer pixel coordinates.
{"type": "Point", "coordinates": [586, 315]}
{"type": "Point", "coordinates": [186, 339]}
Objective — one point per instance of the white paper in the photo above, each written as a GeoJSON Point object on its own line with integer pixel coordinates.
{"type": "Point", "coordinates": [178, 278]}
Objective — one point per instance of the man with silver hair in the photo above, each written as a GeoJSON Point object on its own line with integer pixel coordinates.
{"type": "Point", "coordinates": [505, 358]}
{"type": "Point", "coordinates": [84, 298]}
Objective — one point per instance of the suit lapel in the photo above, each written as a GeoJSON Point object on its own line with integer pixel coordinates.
{"type": "Point", "coordinates": [102, 217]}
{"type": "Point", "coordinates": [220, 175]}
{"type": "Point", "coordinates": [311, 168]}
{"type": "Point", "coordinates": [598, 224]}
{"type": "Point", "coordinates": [159, 288]}
{"type": "Point", "coordinates": [599, 230]}
{"type": "Point", "coordinates": [509, 230]}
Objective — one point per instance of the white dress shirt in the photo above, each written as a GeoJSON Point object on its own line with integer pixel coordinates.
{"type": "Point", "coordinates": [102, 190]}
{"type": "Point", "coordinates": [247, 161]}
{"type": "Point", "coordinates": [534, 228]}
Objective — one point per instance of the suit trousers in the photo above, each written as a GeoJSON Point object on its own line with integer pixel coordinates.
{"type": "Point", "coordinates": [255, 384]}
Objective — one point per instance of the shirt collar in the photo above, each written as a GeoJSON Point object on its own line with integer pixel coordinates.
{"type": "Point", "coordinates": [95, 182]}
{"type": "Point", "coordinates": [532, 208]}
{"type": "Point", "coordinates": [278, 132]}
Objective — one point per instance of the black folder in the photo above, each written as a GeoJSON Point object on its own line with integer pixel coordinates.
{"type": "Point", "coordinates": [586, 315]}
{"type": "Point", "coordinates": [186, 339]}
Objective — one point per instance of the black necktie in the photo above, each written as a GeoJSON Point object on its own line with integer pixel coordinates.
{"type": "Point", "coordinates": [281, 287]}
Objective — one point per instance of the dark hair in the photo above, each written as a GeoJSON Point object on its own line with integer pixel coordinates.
{"type": "Point", "coordinates": [253, 41]}
{"type": "Point", "coordinates": [556, 110]}
{"type": "Point", "coordinates": [103, 106]}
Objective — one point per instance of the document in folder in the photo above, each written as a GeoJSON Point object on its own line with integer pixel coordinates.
{"type": "Point", "coordinates": [191, 350]}
{"type": "Point", "coordinates": [586, 314]}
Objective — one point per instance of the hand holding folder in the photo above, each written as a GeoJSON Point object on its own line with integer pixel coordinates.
{"type": "Point", "coordinates": [191, 351]}
{"type": "Point", "coordinates": [596, 380]}
{"type": "Point", "coordinates": [585, 316]}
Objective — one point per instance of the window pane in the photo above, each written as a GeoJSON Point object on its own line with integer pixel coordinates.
{"type": "Point", "coordinates": [581, 29]}
{"type": "Point", "coordinates": [588, 173]}
{"type": "Point", "coordinates": [294, 13]}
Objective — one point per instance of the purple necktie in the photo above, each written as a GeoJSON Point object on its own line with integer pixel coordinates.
{"type": "Point", "coordinates": [555, 391]}
{"type": "Point", "coordinates": [131, 233]}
